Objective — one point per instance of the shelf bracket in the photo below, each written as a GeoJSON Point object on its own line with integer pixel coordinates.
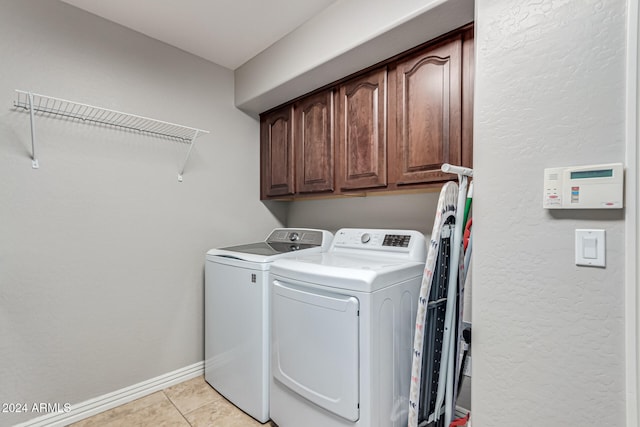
{"type": "Point", "coordinates": [34, 160]}
{"type": "Point", "coordinates": [186, 159]}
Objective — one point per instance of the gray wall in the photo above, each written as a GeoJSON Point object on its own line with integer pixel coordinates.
{"type": "Point", "coordinates": [408, 211]}
{"type": "Point", "coordinates": [548, 335]}
{"type": "Point", "coordinates": [101, 249]}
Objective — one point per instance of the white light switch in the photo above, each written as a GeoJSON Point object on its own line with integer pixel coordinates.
{"type": "Point", "coordinates": [590, 248]}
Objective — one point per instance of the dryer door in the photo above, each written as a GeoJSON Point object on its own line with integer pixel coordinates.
{"type": "Point", "coordinates": [315, 346]}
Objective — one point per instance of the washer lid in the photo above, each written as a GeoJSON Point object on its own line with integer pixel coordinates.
{"type": "Point", "coordinates": [350, 272]}
{"type": "Point", "coordinates": [280, 243]}
{"type": "Point", "coordinates": [268, 249]}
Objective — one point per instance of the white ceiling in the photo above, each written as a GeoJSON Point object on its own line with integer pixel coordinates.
{"type": "Point", "coordinates": [227, 32]}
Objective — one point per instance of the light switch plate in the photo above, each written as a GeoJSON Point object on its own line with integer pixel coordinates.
{"type": "Point", "coordinates": [590, 248]}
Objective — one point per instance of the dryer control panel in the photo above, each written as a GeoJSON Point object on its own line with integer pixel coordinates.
{"type": "Point", "coordinates": [408, 244]}
{"type": "Point", "coordinates": [397, 240]}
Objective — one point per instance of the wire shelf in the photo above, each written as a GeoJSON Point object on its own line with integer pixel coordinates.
{"type": "Point", "coordinates": [58, 107]}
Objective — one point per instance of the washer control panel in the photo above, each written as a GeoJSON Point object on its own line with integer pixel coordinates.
{"type": "Point", "coordinates": [302, 236]}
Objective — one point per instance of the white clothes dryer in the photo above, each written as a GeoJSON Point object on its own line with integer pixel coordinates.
{"type": "Point", "coordinates": [237, 317]}
{"type": "Point", "coordinates": [342, 325]}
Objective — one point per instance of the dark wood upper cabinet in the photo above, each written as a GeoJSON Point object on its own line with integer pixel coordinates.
{"type": "Point", "coordinates": [277, 153]}
{"type": "Point", "coordinates": [362, 132]}
{"type": "Point", "coordinates": [314, 142]}
{"type": "Point", "coordinates": [428, 113]}
{"type": "Point", "coordinates": [468, 77]}
{"type": "Point", "coordinates": [389, 127]}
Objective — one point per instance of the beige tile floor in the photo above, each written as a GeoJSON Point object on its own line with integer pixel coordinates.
{"type": "Point", "coordinates": [191, 403]}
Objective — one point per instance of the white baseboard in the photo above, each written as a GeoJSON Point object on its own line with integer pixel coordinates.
{"type": "Point", "coordinates": [99, 404]}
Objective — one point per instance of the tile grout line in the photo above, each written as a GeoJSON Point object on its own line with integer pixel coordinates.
{"type": "Point", "coordinates": [217, 397]}
{"type": "Point", "coordinates": [117, 409]}
{"type": "Point", "coordinates": [177, 409]}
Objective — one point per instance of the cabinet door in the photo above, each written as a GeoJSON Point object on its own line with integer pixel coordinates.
{"type": "Point", "coordinates": [362, 132]}
{"type": "Point", "coordinates": [468, 68]}
{"type": "Point", "coordinates": [428, 115]}
{"type": "Point", "coordinates": [276, 153]}
{"type": "Point", "coordinates": [314, 137]}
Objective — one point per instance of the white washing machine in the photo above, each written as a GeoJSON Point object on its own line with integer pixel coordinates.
{"type": "Point", "coordinates": [237, 316]}
{"type": "Point", "coordinates": [342, 326]}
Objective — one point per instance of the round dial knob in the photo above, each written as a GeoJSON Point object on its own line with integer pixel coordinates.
{"type": "Point", "coordinates": [365, 238]}
{"type": "Point", "coordinates": [294, 236]}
